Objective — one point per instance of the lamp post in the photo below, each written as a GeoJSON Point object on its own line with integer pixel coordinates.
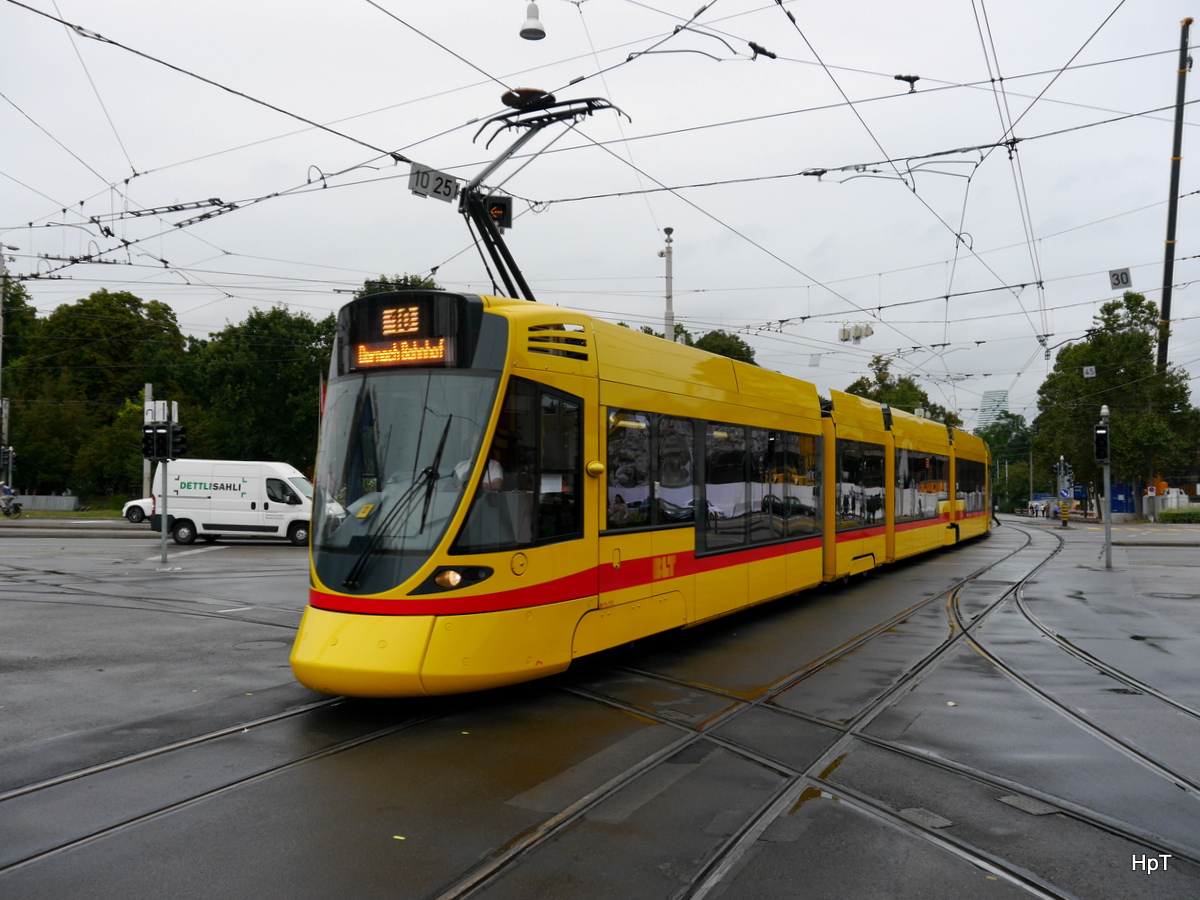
{"type": "Point", "coordinates": [669, 316]}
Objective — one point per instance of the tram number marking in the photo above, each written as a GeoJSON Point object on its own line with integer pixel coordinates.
{"type": "Point", "coordinates": [664, 567]}
{"type": "Point", "coordinates": [426, 182]}
{"type": "Point", "coordinates": [401, 320]}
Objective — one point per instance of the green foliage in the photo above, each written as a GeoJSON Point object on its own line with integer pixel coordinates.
{"type": "Point", "coordinates": [75, 371]}
{"type": "Point", "coordinates": [253, 389]}
{"type": "Point", "coordinates": [20, 320]}
{"type": "Point", "coordinates": [899, 393]}
{"type": "Point", "coordinates": [76, 380]}
{"type": "Point", "coordinates": [1182, 515]}
{"type": "Point", "coordinates": [680, 332]}
{"type": "Point", "coordinates": [724, 344]}
{"type": "Point", "coordinates": [384, 283]}
{"type": "Point", "coordinates": [1153, 424]}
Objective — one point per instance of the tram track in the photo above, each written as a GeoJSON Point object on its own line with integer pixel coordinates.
{"type": "Point", "coordinates": [795, 781]}
{"type": "Point", "coordinates": [797, 784]}
{"type": "Point", "coordinates": [1111, 738]}
{"type": "Point", "coordinates": [815, 778]}
{"type": "Point", "coordinates": [39, 801]}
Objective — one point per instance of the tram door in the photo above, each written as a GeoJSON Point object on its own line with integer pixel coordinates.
{"type": "Point", "coordinates": [643, 517]}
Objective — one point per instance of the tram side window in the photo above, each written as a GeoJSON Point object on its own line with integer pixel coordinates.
{"type": "Point", "coordinates": [785, 494]}
{"type": "Point", "coordinates": [538, 446]}
{"type": "Point", "coordinates": [861, 493]}
{"type": "Point", "coordinates": [802, 484]}
{"type": "Point", "coordinates": [629, 484]}
{"type": "Point", "coordinates": [725, 486]}
{"type": "Point", "coordinates": [972, 485]}
{"type": "Point", "coordinates": [676, 470]}
{"type": "Point", "coordinates": [921, 484]}
{"type": "Point", "coordinates": [768, 503]}
{"type": "Point", "coordinates": [559, 490]}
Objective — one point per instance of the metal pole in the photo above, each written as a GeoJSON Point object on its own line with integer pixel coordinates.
{"type": "Point", "coordinates": [147, 469]}
{"type": "Point", "coordinates": [163, 521]}
{"type": "Point", "coordinates": [1164, 318]}
{"type": "Point", "coordinates": [669, 317]}
{"type": "Point", "coordinates": [1108, 496]}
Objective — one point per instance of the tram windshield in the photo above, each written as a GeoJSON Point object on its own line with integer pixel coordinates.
{"type": "Point", "coordinates": [398, 450]}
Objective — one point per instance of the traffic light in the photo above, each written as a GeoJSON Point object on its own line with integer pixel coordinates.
{"type": "Point", "coordinates": [162, 441]}
{"type": "Point", "coordinates": [178, 441]}
{"type": "Point", "coordinates": [500, 210]}
{"type": "Point", "coordinates": [4, 454]}
{"type": "Point", "coordinates": [148, 442]}
{"type": "Point", "coordinates": [1102, 451]}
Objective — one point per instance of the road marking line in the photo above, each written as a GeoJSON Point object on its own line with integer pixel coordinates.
{"type": "Point", "coordinates": [235, 609]}
{"type": "Point", "coordinates": [190, 552]}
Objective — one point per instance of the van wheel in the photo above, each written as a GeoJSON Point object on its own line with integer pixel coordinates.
{"type": "Point", "coordinates": [184, 532]}
{"type": "Point", "coordinates": [298, 533]}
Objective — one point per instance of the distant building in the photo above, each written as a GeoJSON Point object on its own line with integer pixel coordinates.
{"type": "Point", "coordinates": [993, 403]}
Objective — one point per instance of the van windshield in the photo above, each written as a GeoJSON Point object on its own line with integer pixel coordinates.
{"type": "Point", "coordinates": [303, 485]}
{"type": "Point", "coordinates": [398, 449]}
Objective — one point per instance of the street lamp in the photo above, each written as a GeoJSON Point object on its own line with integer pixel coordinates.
{"type": "Point", "coordinates": [669, 317]}
{"type": "Point", "coordinates": [532, 30]}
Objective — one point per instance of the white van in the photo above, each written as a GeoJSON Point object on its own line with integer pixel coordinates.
{"type": "Point", "coordinates": [208, 498]}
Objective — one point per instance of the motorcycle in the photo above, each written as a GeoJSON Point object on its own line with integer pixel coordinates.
{"type": "Point", "coordinates": [12, 511]}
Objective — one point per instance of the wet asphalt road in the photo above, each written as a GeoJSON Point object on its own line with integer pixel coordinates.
{"type": "Point", "coordinates": [1028, 732]}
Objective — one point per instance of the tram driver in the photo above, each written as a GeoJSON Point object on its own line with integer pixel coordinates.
{"type": "Point", "coordinates": [493, 474]}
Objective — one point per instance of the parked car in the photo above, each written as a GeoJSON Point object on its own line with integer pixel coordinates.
{"type": "Point", "coordinates": [137, 510]}
{"type": "Point", "coordinates": [790, 506]}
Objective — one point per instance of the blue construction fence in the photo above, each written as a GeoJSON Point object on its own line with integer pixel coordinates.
{"type": "Point", "coordinates": [1123, 499]}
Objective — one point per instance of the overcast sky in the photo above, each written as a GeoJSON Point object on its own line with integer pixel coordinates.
{"type": "Point", "coordinates": [920, 226]}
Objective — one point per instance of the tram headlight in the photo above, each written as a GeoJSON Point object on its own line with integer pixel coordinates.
{"type": "Point", "coordinates": [448, 578]}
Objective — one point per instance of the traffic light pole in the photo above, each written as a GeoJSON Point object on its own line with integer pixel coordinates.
{"type": "Point", "coordinates": [1107, 488]}
{"type": "Point", "coordinates": [162, 522]}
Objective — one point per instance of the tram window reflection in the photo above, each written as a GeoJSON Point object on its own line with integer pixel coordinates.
{"type": "Point", "coordinates": [861, 492]}
{"type": "Point", "coordinates": [725, 486]}
{"type": "Point", "coordinates": [538, 445]}
{"type": "Point", "coordinates": [629, 485]}
{"type": "Point", "coordinates": [921, 484]}
{"type": "Point", "coordinates": [972, 484]}
{"type": "Point", "coordinates": [676, 470]}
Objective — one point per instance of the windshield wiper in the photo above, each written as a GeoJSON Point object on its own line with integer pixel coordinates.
{"type": "Point", "coordinates": [430, 482]}
{"type": "Point", "coordinates": [427, 479]}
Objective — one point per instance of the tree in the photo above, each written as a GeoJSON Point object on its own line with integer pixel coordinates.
{"type": "Point", "coordinates": [1153, 423]}
{"type": "Point", "coordinates": [680, 332]}
{"type": "Point", "coordinates": [725, 344]}
{"type": "Point", "coordinates": [20, 320]}
{"type": "Point", "coordinates": [253, 388]}
{"type": "Point", "coordinates": [78, 368]}
{"type": "Point", "coordinates": [1009, 437]}
{"type": "Point", "coordinates": [899, 393]}
{"type": "Point", "coordinates": [397, 283]}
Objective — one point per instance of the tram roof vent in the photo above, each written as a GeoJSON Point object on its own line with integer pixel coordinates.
{"type": "Point", "coordinates": [559, 339]}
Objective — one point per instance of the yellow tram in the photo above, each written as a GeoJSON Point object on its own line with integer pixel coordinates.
{"type": "Point", "coordinates": [505, 486]}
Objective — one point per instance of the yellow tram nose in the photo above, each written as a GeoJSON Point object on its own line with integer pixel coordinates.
{"type": "Point", "coordinates": [361, 656]}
